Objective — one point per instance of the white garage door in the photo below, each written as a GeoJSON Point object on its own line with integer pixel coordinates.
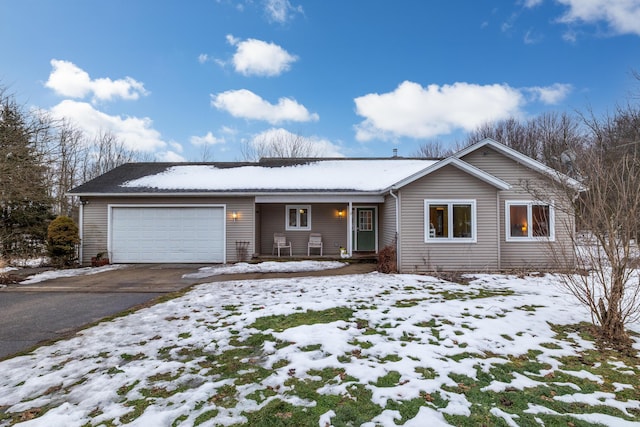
{"type": "Point", "coordinates": [167, 234]}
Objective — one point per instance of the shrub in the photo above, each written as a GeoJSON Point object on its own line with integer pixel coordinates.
{"type": "Point", "coordinates": [62, 238]}
{"type": "Point", "coordinates": [387, 260]}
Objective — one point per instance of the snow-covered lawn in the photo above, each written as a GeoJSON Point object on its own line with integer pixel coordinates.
{"type": "Point", "coordinates": [367, 350]}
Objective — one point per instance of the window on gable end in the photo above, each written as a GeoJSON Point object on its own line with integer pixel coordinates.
{"type": "Point", "coordinates": [450, 221]}
{"type": "Point", "coordinates": [529, 221]}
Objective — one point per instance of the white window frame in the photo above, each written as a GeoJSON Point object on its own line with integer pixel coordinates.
{"type": "Point", "coordinates": [450, 238]}
{"type": "Point", "coordinates": [530, 237]}
{"type": "Point", "coordinates": [297, 227]}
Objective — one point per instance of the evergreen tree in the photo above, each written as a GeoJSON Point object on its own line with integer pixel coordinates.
{"type": "Point", "coordinates": [25, 206]}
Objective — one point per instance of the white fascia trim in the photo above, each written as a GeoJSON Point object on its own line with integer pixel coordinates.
{"type": "Point", "coordinates": [460, 164]}
{"type": "Point", "coordinates": [284, 198]}
{"type": "Point", "coordinates": [521, 158]}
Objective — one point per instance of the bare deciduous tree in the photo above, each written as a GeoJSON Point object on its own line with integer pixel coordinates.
{"type": "Point", "coordinates": [279, 144]}
{"type": "Point", "coordinates": [551, 138]}
{"type": "Point", "coordinates": [106, 152]}
{"type": "Point", "coordinates": [608, 212]}
{"type": "Point", "coordinates": [607, 215]}
{"type": "Point", "coordinates": [436, 149]}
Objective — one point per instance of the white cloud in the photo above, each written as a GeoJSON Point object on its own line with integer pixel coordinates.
{"type": "Point", "coordinates": [553, 94]}
{"type": "Point", "coordinates": [424, 112]}
{"type": "Point", "coordinates": [245, 104]}
{"type": "Point", "coordinates": [281, 11]}
{"type": "Point", "coordinates": [531, 37]}
{"type": "Point", "coordinates": [256, 57]}
{"type": "Point", "coordinates": [135, 133]}
{"type": "Point", "coordinates": [312, 146]}
{"type": "Point", "coordinates": [67, 79]}
{"type": "Point", "coordinates": [622, 16]}
{"type": "Point", "coordinates": [169, 156]}
{"type": "Point", "coordinates": [532, 3]}
{"type": "Point", "coordinates": [208, 139]}
{"type": "Point", "coordinates": [202, 58]}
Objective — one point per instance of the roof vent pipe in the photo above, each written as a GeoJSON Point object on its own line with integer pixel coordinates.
{"type": "Point", "coordinates": [395, 152]}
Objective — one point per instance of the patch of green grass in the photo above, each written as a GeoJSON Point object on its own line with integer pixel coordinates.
{"type": "Point", "coordinates": [490, 293]}
{"type": "Point", "coordinates": [166, 376]}
{"type": "Point", "coordinates": [281, 322]}
{"type": "Point", "coordinates": [184, 335]}
{"type": "Point", "coordinates": [362, 344]}
{"type": "Point", "coordinates": [179, 420]}
{"type": "Point", "coordinates": [528, 307]}
{"type": "Point", "coordinates": [390, 358]}
{"type": "Point", "coordinates": [409, 302]}
{"type": "Point", "coordinates": [311, 347]}
{"type": "Point", "coordinates": [139, 406]}
{"type": "Point", "coordinates": [280, 364]}
{"type": "Point", "coordinates": [408, 337]}
{"type": "Point", "coordinates": [123, 390]}
{"type": "Point", "coordinates": [431, 323]}
{"type": "Point", "coordinates": [261, 395]}
{"type": "Point", "coordinates": [391, 379]}
{"type": "Point", "coordinates": [157, 392]}
{"type": "Point", "coordinates": [205, 416]}
{"type": "Point", "coordinates": [408, 409]}
{"type": "Point", "coordinates": [353, 408]}
{"type": "Point", "coordinates": [466, 355]}
{"type": "Point", "coordinates": [544, 389]}
{"type": "Point", "coordinates": [427, 373]}
{"type": "Point", "coordinates": [226, 396]}
{"type": "Point", "coordinates": [550, 345]}
{"type": "Point", "coordinates": [129, 357]}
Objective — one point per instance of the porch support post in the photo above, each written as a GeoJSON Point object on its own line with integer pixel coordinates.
{"type": "Point", "coordinates": [350, 229]}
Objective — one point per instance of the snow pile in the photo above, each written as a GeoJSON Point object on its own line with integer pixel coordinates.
{"type": "Point", "coordinates": [54, 274]}
{"type": "Point", "coordinates": [265, 267]}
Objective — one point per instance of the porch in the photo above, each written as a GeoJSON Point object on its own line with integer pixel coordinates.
{"type": "Point", "coordinates": [354, 228]}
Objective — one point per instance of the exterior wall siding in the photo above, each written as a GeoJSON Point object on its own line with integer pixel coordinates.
{"type": "Point", "coordinates": [531, 254]}
{"type": "Point", "coordinates": [95, 220]}
{"type": "Point", "coordinates": [387, 215]}
{"type": "Point", "coordinates": [448, 183]}
{"type": "Point", "coordinates": [324, 220]}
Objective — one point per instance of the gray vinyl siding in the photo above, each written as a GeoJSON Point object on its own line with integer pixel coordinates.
{"type": "Point", "coordinates": [95, 220]}
{"type": "Point", "coordinates": [324, 220]}
{"type": "Point", "coordinates": [446, 184]}
{"type": "Point", "coordinates": [531, 254]}
{"type": "Point", "coordinates": [387, 219]}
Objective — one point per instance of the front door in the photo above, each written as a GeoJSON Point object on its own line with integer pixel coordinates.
{"type": "Point", "coordinates": [365, 229]}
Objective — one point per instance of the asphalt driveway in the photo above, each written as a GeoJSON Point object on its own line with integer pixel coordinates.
{"type": "Point", "coordinates": [46, 311]}
{"type": "Point", "coordinates": [32, 315]}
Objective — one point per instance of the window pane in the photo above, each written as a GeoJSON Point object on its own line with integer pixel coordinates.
{"type": "Point", "coordinates": [439, 220]}
{"type": "Point", "coordinates": [518, 218]}
{"type": "Point", "coordinates": [540, 219]}
{"type": "Point", "coordinates": [293, 218]}
{"type": "Point", "coordinates": [462, 221]}
{"type": "Point", "coordinates": [365, 221]}
{"type": "Point", "coordinates": [304, 218]}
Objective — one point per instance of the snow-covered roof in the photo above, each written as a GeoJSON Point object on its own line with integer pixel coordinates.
{"type": "Point", "coordinates": [335, 175]}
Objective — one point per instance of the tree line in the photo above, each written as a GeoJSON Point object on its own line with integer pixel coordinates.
{"type": "Point", "coordinates": [41, 158]}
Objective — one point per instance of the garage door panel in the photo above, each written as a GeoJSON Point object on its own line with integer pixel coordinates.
{"type": "Point", "coordinates": [167, 234]}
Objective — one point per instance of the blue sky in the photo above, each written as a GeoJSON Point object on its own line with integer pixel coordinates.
{"type": "Point", "coordinates": [176, 79]}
